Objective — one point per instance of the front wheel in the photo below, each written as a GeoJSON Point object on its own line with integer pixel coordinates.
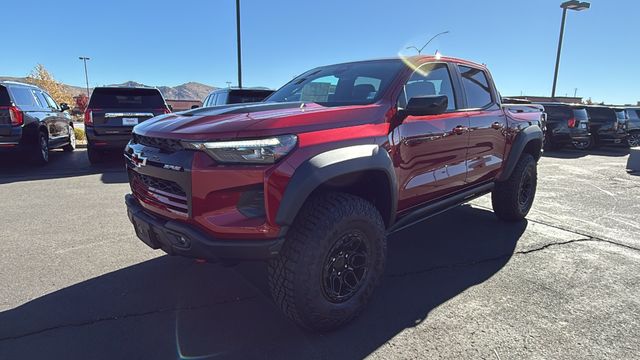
{"type": "Point", "coordinates": [633, 139]}
{"type": "Point", "coordinates": [332, 260]}
{"type": "Point", "coordinates": [71, 146]}
{"type": "Point", "coordinates": [512, 199]}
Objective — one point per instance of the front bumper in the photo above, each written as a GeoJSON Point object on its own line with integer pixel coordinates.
{"type": "Point", "coordinates": [178, 238]}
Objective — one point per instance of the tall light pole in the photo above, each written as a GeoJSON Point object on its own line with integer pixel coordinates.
{"type": "Point", "coordinates": [570, 5]}
{"type": "Point", "coordinates": [86, 76]}
{"type": "Point", "coordinates": [425, 45]}
{"type": "Point", "coordinates": [239, 43]}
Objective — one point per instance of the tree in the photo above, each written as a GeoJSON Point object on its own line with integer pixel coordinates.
{"type": "Point", "coordinates": [42, 78]}
{"type": "Point", "coordinates": [81, 102]}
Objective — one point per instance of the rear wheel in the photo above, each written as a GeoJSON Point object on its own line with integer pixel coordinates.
{"type": "Point", "coordinates": [95, 156]}
{"type": "Point", "coordinates": [72, 141]}
{"type": "Point", "coordinates": [633, 139]}
{"type": "Point", "coordinates": [41, 150]}
{"type": "Point", "coordinates": [512, 199]}
{"type": "Point", "coordinates": [331, 262]}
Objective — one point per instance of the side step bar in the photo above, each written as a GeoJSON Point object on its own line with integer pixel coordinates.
{"type": "Point", "coordinates": [438, 207]}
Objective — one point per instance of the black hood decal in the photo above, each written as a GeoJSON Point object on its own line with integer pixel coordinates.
{"type": "Point", "coordinates": [246, 108]}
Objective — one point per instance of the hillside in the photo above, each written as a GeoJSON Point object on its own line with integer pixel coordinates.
{"type": "Point", "coordinates": [187, 91]}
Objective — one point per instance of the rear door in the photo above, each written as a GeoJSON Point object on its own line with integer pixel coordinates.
{"type": "Point", "coordinates": [487, 125]}
{"type": "Point", "coordinates": [115, 111]}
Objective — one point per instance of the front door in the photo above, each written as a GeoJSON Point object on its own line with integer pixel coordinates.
{"type": "Point", "coordinates": [430, 152]}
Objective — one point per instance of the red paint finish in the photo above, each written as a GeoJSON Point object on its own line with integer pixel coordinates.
{"type": "Point", "coordinates": [433, 155]}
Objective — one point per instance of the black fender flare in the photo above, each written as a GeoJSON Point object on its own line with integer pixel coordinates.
{"type": "Point", "coordinates": [524, 137]}
{"type": "Point", "coordinates": [327, 165]}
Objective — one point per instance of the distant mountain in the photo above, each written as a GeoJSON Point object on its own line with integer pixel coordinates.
{"type": "Point", "coordinates": [188, 91]}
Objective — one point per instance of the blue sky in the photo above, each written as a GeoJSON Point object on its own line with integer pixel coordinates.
{"type": "Point", "coordinates": [160, 42]}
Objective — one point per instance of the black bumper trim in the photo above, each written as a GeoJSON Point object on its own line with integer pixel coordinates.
{"type": "Point", "coordinates": [177, 238]}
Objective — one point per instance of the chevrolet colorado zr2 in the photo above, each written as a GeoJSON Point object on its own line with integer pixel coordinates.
{"type": "Point", "coordinates": [313, 179]}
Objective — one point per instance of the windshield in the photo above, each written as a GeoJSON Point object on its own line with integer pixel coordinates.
{"type": "Point", "coordinates": [344, 84]}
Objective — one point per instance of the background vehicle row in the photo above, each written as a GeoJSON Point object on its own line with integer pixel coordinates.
{"type": "Point", "coordinates": [32, 122]}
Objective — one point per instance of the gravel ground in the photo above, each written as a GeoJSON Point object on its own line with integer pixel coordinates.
{"type": "Point", "coordinates": [77, 284]}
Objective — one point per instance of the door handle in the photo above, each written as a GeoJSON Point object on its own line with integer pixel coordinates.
{"type": "Point", "coordinates": [459, 130]}
{"type": "Point", "coordinates": [497, 125]}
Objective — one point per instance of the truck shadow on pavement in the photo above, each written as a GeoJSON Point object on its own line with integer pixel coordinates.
{"type": "Point", "coordinates": [174, 308]}
{"type": "Point", "coordinates": [570, 153]}
{"type": "Point", "coordinates": [62, 165]}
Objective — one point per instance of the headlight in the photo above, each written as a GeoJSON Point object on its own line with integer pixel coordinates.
{"type": "Point", "coordinates": [258, 151]}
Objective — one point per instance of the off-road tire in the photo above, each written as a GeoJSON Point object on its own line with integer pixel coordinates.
{"type": "Point", "coordinates": [297, 275]}
{"type": "Point", "coordinates": [512, 199]}
{"type": "Point", "coordinates": [40, 153]}
{"type": "Point", "coordinates": [71, 146]}
{"type": "Point", "coordinates": [95, 156]}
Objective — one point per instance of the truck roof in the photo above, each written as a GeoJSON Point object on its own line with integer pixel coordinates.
{"type": "Point", "coordinates": [419, 59]}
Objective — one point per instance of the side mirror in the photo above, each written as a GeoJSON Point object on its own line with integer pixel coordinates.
{"type": "Point", "coordinates": [64, 107]}
{"type": "Point", "coordinates": [427, 105]}
{"type": "Point", "coordinates": [194, 107]}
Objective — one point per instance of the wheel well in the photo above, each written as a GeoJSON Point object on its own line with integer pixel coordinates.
{"type": "Point", "coordinates": [533, 148]}
{"type": "Point", "coordinates": [43, 129]}
{"type": "Point", "coordinates": [371, 185]}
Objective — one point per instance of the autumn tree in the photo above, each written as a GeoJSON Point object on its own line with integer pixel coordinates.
{"type": "Point", "coordinates": [42, 78]}
{"type": "Point", "coordinates": [81, 102]}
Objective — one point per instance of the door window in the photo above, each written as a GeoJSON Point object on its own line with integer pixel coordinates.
{"type": "Point", "coordinates": [476, 87]}
{"type": "Point", "coordinates": [429, 79]}
{"type": "Point", "coordinates": [50, 101]}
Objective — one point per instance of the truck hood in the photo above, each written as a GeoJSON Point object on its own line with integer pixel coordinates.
{"type": "Point", "coordinates": [257, 119]}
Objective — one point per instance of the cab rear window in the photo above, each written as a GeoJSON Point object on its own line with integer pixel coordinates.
{"type": "Point", "coordinates": [247, 96]}
{"type": "Point", "coordinates": [110, 98]}
{"type": "Point", "coordinates": [4, 97]}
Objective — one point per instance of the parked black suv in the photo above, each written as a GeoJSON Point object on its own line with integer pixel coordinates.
{"type": "Point", "coordinates": [633, 126]}
{"type": "Point", "coordinates": [112, 113]}
{"type": "Point", "coordinates": [566, 124]}
{"type": "Point", "coordinates": [604, 126]}
{"type": "Point", "coordinates": [235, 96]}
{"type": "Point", "coordinates": [32, 122]}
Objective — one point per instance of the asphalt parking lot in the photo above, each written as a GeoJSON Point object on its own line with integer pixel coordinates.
{"type": "Point", "coordinates": [77, 284]}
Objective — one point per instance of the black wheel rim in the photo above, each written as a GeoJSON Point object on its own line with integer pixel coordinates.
{"type": "Point", "coordinates": [526, 190]}
{"type": "Point", "coordinates": [634, 140]}
{"type": "Point", "coordinates": [346, 267]}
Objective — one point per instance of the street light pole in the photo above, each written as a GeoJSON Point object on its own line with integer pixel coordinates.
{"type": "Point", "coordinates": [567, 5]}
{"type": "Point", "coordinates": [86, 76]}
{"type": "Point", "coordinates": [239, 43]}
{"type": "Point", "coordinates": [425, 45]}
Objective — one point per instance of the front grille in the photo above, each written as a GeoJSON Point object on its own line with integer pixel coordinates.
{"type": "Point", "coordinates": [160, 193]}
{"type": "Point", "coordinates": [170, 145]}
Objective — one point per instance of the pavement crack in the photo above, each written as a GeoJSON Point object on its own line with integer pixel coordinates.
{"type": "Point", "coordinates": [124, 316]}
{"type": "Point", "coordinates": [505, 256]}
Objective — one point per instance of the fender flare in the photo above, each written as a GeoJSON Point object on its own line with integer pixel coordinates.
{"type": "Point", "coordinates": [327, 165]}
{"type": "Point", "coordinates": [524, 137]}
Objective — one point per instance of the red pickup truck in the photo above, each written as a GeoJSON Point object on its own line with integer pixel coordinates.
{"type": "Point", "coordinates": [313, 179]}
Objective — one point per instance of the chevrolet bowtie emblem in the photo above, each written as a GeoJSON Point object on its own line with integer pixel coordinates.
{"type": "Point", "coordinates": [138, 159]}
